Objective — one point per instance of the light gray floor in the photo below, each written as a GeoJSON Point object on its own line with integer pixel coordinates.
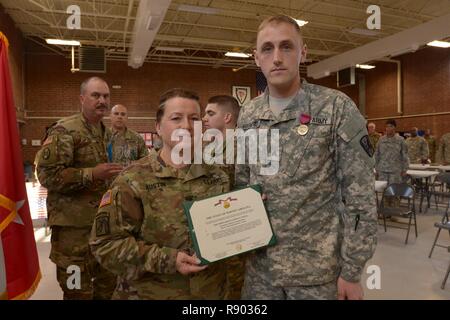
{"type": "Point", "coordinates": [406, 272]}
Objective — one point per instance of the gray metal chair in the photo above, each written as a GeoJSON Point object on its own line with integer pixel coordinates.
{"type": "Point", "coordinates": [443, 178]}
{"type": "Point", "coordinates": [441, 187]}
{"type": "Point", "coordinates": [399, 192]}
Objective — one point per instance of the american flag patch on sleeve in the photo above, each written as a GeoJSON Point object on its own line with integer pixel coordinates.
{"type": "Point", "coordinates": [106, 199]}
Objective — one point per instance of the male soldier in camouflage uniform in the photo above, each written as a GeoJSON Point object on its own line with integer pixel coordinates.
{"type": "Point", "coordinates": [141, 233]}
{"type": "Point", "coordinates": [391, 156]}
{"type": "Point", "coordinates": [72, 165]}
{"type": "Point", "coordinates": [221, 113]}
{"type": "Point", "coordinates": [373, 135]}
{"type": "Point", "coordinates": [126, 145]}
{"type": "Point", "coordinates": [432, 145]}
{"type": "Point", "coordinates": [417, 148]}
{"type": "Point", "coordinates": [321, 203]}
{"type": "Point", "coordinates": [443, 154]}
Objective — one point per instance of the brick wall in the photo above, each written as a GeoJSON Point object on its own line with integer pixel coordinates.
{"type": "Point", "coordinates": [53, 91]}
{"type": "Point", "coordinates": [16, 52]}
{"type": "Point", "coordinates": [425, 89]}
{"type": "Point", "coordinates": [425, 86]}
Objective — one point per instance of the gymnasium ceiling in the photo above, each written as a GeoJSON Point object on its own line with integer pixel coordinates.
{"type": "Point", "coordinates": [216, 26]}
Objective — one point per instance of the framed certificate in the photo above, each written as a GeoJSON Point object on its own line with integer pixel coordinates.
{"type": "Point", "coordinates": [229, 224]}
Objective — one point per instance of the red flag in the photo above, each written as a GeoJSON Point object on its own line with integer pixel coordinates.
{"type": "Point", "coordinates": [19, 264]}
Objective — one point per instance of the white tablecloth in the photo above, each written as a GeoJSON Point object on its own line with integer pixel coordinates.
{"type": "Point", "coordinates": [421, 173]}
{"type": "Point", "coordinates": [427, 167]}
{"type": "Point", "coordinates": [380, 186]}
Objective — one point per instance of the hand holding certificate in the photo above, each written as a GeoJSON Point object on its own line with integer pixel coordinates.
{"type": "Point", "coordinates": [229, 224]}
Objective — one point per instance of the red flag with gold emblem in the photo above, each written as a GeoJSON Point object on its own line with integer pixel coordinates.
{"type": "Point", "coordinates": [19, 264]}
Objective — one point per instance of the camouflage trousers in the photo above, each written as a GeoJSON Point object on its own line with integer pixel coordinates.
{"type": "Point", "coordinates": [235, 277]}
{"type": "Point", "coordinates": [70, 252]}
{"type": "Point", "coordinates": [257, 288]}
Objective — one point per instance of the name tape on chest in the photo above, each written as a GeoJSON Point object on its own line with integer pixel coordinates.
{"type": "Point", "coordinates": [320, 121]}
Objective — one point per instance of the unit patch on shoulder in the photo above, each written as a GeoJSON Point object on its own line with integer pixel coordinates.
{"type": "Point", "coordinates": [366, 145]}
{"type": "Point", "coordinates": [102, 225]}
{"type": "Point", "coordinates": [46, 154]}
{"type": "Point", "coordinates": [106, 199]}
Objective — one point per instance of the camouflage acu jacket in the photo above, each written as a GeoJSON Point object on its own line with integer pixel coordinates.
{"type": "Point", "coordinates": [321, 203]}
{"type": "Point", "coordinates": [417, 149]}
{"type": "Point", "coordinates": [391, 155]}
{"type": "Point", "coordinates": [443, 154]}
{"type": "Point", "coordinates": [140, 227]}
{"type": "Point", "coordinates": [64, 166]}
{"type": "Point", "coordinates": [127, 147]}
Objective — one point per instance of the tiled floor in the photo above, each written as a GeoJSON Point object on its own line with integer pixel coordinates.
{"type": "Point", "coordinates": [406, 271]}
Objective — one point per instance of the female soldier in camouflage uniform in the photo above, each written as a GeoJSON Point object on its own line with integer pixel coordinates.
{"type": "Point", "coordinates": [140, 231]}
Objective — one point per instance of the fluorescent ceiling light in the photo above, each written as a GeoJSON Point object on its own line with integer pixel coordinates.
{"type": "Point", "coordinates": [301, 23]}
{"type": "Point", "coordinates": [365, 66]}
{"type": "Point", "coordinates": [197, 9]}
{"type": "Point", "coordinates": [173, 49]}
{"type": "Point", "coordinates": [63, 42]}
{"type": "Point", "coordinates": [440, 44]}
{"type": "Point", "coordinates": [237, 54]}
{"type": "Point", "coordinates": [363, 32]}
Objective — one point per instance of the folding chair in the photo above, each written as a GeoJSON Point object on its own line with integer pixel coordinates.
{"type": "Point", "coordinates": [400, 191]}
{"type": "Point", "coordinates": [443, 224]}
{"type": "Point", "coordinates": [442, 182]}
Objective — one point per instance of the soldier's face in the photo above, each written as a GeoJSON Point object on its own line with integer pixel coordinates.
{"type": "Point", "coordinates": [95, 100]}
{"type": "Point", "coordinates": [179, 113]}
{"type": "Point", "coordinates": [279, 51]}
{"type": "Point", "coordinates": [119, 117]}
{"type": "Point", "coordinates": [214, 117]}
{"type": "Point", "coordinates": [390, 130]}
{"type": "Point", "coordinates": [371, 129]}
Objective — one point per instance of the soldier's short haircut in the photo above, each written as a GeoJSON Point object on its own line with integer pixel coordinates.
{"type": "Point", "coordinates": [391, 122]}
{"type": "Point", "coordinates": [371, 124]}
{"type": "Point", "coordinates": [86, 82]}
{"type": "Point", "coordinates": [227, 103]}
{"type": "Point", "coordinates": [174, 93]}
{"type": "Point", "coordinates": [277, 20]}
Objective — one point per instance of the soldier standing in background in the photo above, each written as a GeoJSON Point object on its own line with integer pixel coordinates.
{"type": "Point", "coordinates": [417, 148]}
{"type": "Point", "coordinates": [221, 113]}
{"type": "Point", "coordinates": [126, 145]}
{"type": "Point", "coordinates": [141, 233]}
{"type": "Point", "coordinates": [443, 154]}
{"type": "Point", "coordinates": [432, 145]}
{"type": "Point", "coordinates": [374, 136]}
{"type": "Point", "coordinates": [391, 156]}
{"type": "Point", "coordinates": [324, 188]}
{"type": "Point", "coordinates": [73, 166]}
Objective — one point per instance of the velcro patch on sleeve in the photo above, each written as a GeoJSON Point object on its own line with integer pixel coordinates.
{"type": "Point", "coordinates": [106, 199]}
{"type": "Point", "coordinates": [102, 225]}
{"type": "Point", "coordinates": [366, 145]}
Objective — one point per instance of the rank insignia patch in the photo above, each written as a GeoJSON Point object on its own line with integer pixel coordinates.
{"type": "Point", "coordinates": [46, 153]}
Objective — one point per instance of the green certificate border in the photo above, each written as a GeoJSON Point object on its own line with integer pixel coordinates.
{"type": "Point", "coordinates": [187, 211]}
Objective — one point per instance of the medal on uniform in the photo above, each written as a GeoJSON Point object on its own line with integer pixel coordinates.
{"type": "Point", "coordinates": [304, 119]}
{"type": "Point", "coordinates": [302, 129]}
